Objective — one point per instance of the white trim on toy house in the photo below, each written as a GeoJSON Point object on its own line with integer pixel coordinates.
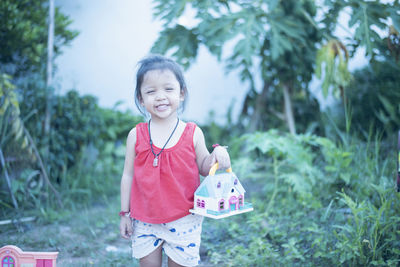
{"type": "Point", "coordinates": [220, 196]}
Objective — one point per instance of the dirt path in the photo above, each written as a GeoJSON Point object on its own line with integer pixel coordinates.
{"type": "Point", "coordinates": [89, 237]}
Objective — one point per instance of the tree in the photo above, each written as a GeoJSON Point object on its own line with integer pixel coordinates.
{"type": "Point", "coordinates": [274, 40]}
{"type": "Point", "coordinates": [49, 73]}
{"type": "Point", "coordinates": [23, 36]}
{"type": "Point", "coordinates": [32, 34]}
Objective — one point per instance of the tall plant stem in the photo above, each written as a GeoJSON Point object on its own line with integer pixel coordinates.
{"type": "Point", "coordinates": [3, 164]}
{"type": "Point", "coordinates": [275, 192]}
{"type": "Point", "coordinates": [347, 113]}
{"type": "Point", "coordinates": [44, 172]}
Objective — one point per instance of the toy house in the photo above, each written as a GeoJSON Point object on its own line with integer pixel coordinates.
{"type": "Point", "coordinates": [220, 196]}
{"type": "Point", "coordinates": [12, 256]}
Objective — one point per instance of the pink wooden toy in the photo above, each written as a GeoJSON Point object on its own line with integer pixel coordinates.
{"type": "Point", "coordinates": [12, 256]}
{"type": "Point", "coordinates": [220, 196]}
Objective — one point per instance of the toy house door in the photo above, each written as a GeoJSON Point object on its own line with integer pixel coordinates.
{"type": "Point", "coordinates": [233, 203]}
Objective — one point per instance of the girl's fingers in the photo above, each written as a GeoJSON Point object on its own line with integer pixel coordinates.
{"type": "Point", "coordinates": [126, 230]}
{"type": "Point", "coordinates": [224, 164]}
{"type": "Point", "coordinates": [130, 230]}
{"type": "Point", "coordinates": [222, 157]}
{"type": "Point", "coordinates": [123, 233]}
{"type": "Point", "coordinates": [126, 235]}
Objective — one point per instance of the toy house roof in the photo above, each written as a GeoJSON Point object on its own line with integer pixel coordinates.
{"type": "Point", "coordinates": [209, 187]}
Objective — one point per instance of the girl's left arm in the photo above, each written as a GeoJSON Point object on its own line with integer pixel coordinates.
{"type": "Point", "coordinates": [204, 159]}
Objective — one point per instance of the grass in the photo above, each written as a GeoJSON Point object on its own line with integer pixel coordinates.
{"type": "Point", "coordinates": [86, 237]}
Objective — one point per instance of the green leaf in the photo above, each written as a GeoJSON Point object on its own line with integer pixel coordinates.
{"type": "Point", "coordinates": [278, 44]}
{"type": "Point", "coordinates": [284, 32]}
{"type": "Point", "coordinates": [273, 4]}
{"type": "Point", "coordinates": [168, 39]}
{"type": "Point", "coordinates": [365, 15]}
{"type": "Point", "coordinates": [216, 31]}
{"type": "Point", "coordinates": [395, 16]}
{"type": "Point", "coordinates": [169, 10]}
{"type": "Point", "coordinates": [336, 73]}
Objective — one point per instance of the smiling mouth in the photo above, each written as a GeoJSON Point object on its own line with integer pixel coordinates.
{"type": "Point", "coordinates": [162, 107]}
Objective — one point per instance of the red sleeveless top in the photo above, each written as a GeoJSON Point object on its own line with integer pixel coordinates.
{"type": "Point", "coordinates": [164, 193]}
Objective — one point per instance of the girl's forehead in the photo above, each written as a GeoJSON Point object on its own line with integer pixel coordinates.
{"type": "Point", "coordinates": [159, 74]}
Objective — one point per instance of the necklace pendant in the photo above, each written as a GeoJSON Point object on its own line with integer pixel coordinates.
{"type": "Point", "coordinates": [155, 162]}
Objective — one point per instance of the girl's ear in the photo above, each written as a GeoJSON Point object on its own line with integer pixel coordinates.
{"type": "Point", "coordinates": [182, 95]}
{"type": "Point", "coordinates": [141, 100]}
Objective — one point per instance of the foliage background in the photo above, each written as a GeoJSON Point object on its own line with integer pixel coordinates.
{"type": "Point", "coordinates": [322, 182]}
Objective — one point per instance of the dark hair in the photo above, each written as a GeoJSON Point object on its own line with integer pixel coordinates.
{"type": "Point", "coordinates": [158, 62]}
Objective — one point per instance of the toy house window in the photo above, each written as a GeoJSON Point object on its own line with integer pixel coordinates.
{"type": "Point", "coordinates": [219, 185]}
{"type": "Point", "coordinates": [235, 182]}
{"type": "Point", "coordinates": [221, 204]}
{"type": "Point", "coordinates": [240, 200]}
{"type": "Point", "coordinates": [203, 204]}
{"type": "Point", "coordinates": [8, 262]}
{"type": "Point", "coordinates": [198, 202]}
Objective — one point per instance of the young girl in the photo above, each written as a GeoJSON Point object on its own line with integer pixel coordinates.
{"type": "Point", "coordinates": [164, 158]}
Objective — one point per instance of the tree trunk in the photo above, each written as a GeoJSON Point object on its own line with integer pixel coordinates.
{"type": "Point", "coordinates": [289, 109]}
{"type": "Point", "coordinates": [258, 108]}
{"type": "Point", "coordinates": [49, 78]}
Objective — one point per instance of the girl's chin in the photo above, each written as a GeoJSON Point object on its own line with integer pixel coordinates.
{"type": "Point", "coordinates": [164, 115]}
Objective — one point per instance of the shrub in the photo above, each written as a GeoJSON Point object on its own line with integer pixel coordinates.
{"type": "Point", "coordinates": [314, 205]}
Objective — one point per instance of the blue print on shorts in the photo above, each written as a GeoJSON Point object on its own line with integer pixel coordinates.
{"type": "Point", "coordinates": [180, 248]}
{"type": "Point", "coordinates": [173, 230]}
{"type": "Point", "coordinates": [156, 243]}
{"type": "Point", "coordinates": [191, 245]}
{"type": "Point", "coordinates": [146, 235]}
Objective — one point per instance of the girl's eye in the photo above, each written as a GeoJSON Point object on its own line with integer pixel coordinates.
{"type": "Point", "coordinates": [149, 92]}
{"type": "Point", "coordinates": [170, 89]}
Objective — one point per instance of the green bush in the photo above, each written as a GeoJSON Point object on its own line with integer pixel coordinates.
{"type": "Point", "coordinates": [375, 96]}
{"type": "Point", "coordinates": [85, 150]}
{"type": "Point", "coordinates": [316, 203]}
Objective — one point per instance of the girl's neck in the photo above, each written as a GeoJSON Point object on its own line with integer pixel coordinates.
{"type": "Point", "coordinates": [164, 123]}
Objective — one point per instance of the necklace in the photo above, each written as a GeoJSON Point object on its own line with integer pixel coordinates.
{"type": "Point", "coordinates": [155, 161]}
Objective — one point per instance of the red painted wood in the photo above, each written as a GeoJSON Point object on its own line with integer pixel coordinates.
{"type": "Point", "coordinates": [48, 263]}
{"type": "Point", "coordinates": [44, 263]}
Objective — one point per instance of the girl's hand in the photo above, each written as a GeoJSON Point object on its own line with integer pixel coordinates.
{"type": "Point", "coordinates": [125, 227]}
{"type": "Point", "coordinates": [221, 156]}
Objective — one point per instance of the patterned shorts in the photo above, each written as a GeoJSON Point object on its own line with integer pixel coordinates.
{"type": "Point", "coordinates": [180, 239]}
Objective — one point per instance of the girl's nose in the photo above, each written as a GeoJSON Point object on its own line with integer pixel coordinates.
{"type": "Point", "coordinates": [160, 95]}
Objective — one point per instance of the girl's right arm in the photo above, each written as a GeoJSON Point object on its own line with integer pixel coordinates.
{"type": "Point", "coordinates": [126, 183]}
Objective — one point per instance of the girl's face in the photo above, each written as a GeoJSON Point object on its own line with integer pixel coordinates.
{"type": "Point", "coordinates": [161, 93]}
